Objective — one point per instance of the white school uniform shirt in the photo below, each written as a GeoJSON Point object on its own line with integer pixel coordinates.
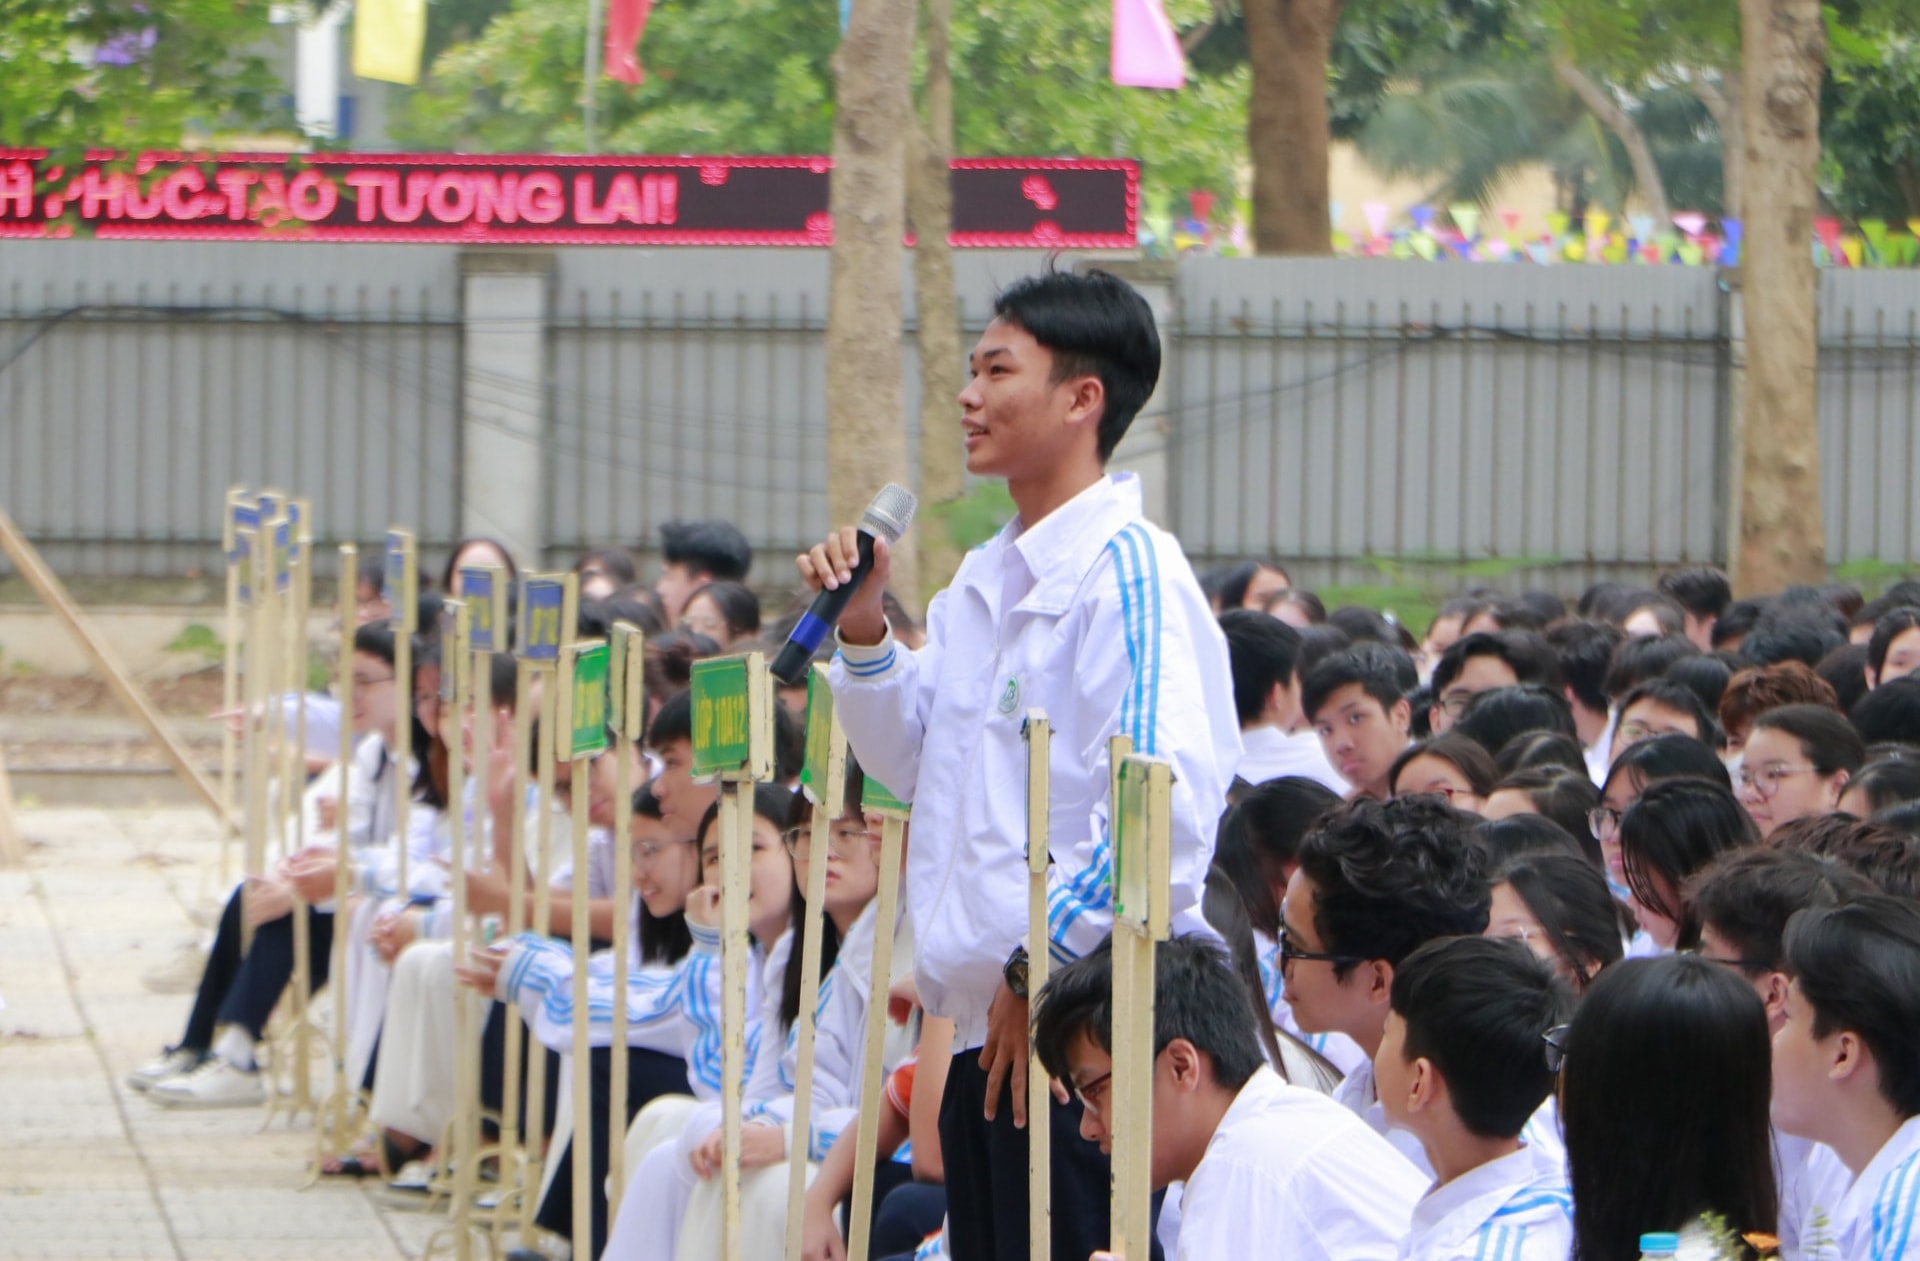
{"type": "Point", "coordinates": [1872, 1217]}
{"type": "Point", "coordinates": [1357, 1095]}
{"type": "Point", "coordinates": [1094, 615]}
{"type": "Point", "coordinates": [1806, 1172]}
{"type": "Point", "coordinates": [1270, 753]}
{"type": "Point", "coordinates": [538, 975]}
{"type": "Point", "coordinates": [1340, 1050]}
{"type": "Point", "coordinates": [1289, 1173]}
{"type": "Point", "coordinates": [1543, 1134]}
{"type": "Point", "coordinates": [1514, 1208]}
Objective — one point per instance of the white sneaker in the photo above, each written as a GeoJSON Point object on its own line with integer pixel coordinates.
{"type": "Point", "coordinates": [169, 1066]}
{"type": "Point", "coordinates": [215, 1084]}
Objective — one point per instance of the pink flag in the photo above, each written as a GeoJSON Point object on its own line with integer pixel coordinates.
{"type": "Point", "coordinates": [1146, 52]}
{"type": "Point", "coordinates": [626, 20]}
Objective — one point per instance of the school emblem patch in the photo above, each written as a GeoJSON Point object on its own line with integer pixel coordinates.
{"type": "Point", "coordinates": [1010, 696]}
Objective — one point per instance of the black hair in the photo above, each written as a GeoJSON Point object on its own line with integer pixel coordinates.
{"type": "Point", "coordinates": [1827, 740]}
{"type": "Point", "coordinates": [1706, 676]}
{"type": "Point", "coordinates": [738, 605]}
{"type": "Point", "coordinates": [1307, 602]}
{"type": "Point", "coordinates": [635, 610]}
{"type": "Point", "coordinates": [1890, 713]}
{"type": "Point", "coordinates": [1545, 605]}
{"type": "Point", "coordinates": [670, 658]}
{"type": "Point", "coordinates": [1565, 796]}
{"type": "Point", "coordinates": [1701, 590]}
{"type": "Point", "coordinates": [1464, 608]}
{"type": "Point", "coordinates": [1845, 671]}
{"type": "Point", "coordinates": [1600, 596]}
{"type": "Point", "coordinates": [1585, 649]}
{"type": "Point", "coordinates": [789, 744]}
{"type": "Point", "coordinates": [1457, 751]}
{"type": "Point", "coordinates": [1517, 614]}
{"type": "Point", "coordinates": [1672, 830]}
{"type": "Point", "coordinates": [772, 802]}
{"type": "Point", "coordinates": [1363, 625]}
{"type": "Point", "coordinates": [1097, 325]}
{"type": "Point", "coordinates": [1669, 757]}
{"type": "Point", "coordinates": [714, 548]}
{"type": "Point", "coordinates": [1259, 841]}
{"type": "Point", "coordinates": [1737, 621]}
{"type": "Point", "coordinates": [1846, 599]}
{"type": "Point", "coordinates": [1794, 635]}
{"type": "Point", "coordinates": [1541, 749]}
{"type": "Point", "coordinates": [1264, 653]}
{"type": "Point", "coordinates": [1377, 675]}
{"type": "Point", "coordinates": [1226, 913]}
{"type": "Point", "coordinates": [1477, 1008]}
{"type": "Point", "coordinates": [615, 562]}
{"type": "Point", "coordinates": [1748, 896]}
{"type": "Point", "coordinates": [1528, 655]}
{"type": "Point", "coordinates": [512, 577]}
{"type": "Point", "coordinates": [371, 572]}
{"type": "Point", "coordinates": [376, 640]}
{"type": "Point", "coordinates": [673, 721]}
{"type": "Point", "coordinates": [1388, 876]}
{"type": "Point", "coordinates": [803, 811]}
{"type": "Point", "coordinates": [1858, 967]}
{"type": "Point", "coordinates": [1232, 581]}
{"type": "Point", "coordinates": [1642, 657]}
{"type": "Point", "coordinates": [503, 674]}
{"type": "Point", "coordinates": [1664, 1101]}
{"type": "Point", "coordinates": [1888, 778]}
{"type": "Point", "coordinates": [1681, 699]}
{"type": "Point", "coordinates": [1196, 996]}
{"type": "Point", "coordinates": [1901, 595]}
{"type": "Point", "coordinates": [1318, 642]}
{"type": "Point", "coordinates": [1497, 717]}
{"type": "Point", "coordinates": [663, 938]}
{"type": "Point", "coordinates": [1666, 611]}
{"type": "Point", "coordinates": [1583, 921]}
{"type": "Point", "coordinates": [1520, 834]}
{"type": "Point", "coordinates": [1420, 712]}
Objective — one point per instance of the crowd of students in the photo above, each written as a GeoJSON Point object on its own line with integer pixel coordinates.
{"type": "Point", "coordinates": [1554, 930]}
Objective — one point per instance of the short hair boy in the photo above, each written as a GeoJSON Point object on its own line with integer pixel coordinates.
{"type": "Point", "coordinates": [1358, 706]}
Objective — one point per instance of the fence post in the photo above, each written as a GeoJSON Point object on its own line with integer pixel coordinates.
{"type": "Point", "coordinates": [506, 301]}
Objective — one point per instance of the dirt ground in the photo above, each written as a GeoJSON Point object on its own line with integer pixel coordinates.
{"type": "Point", "coordinates": [51, 723]}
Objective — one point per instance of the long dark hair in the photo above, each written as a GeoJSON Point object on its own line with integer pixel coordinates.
{"type": "Point", "coordinates": [1570, 898]}
{"type": "Point", "coordinates": [1228, 914]}
{"type": "Point", "coordinates": [1259, 838]}
{"type": "Point", "coordinates": [829, 932]}
{"type": "Point", "coordinates": [1676, 828]}
{"type": "Point", "coordinates": [1664, 1098]}
{"type": "Point", "coordinates": [663, 938]}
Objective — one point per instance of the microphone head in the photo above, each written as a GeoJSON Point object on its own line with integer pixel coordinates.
{"type": "Point", "coordinates": [890, 513]}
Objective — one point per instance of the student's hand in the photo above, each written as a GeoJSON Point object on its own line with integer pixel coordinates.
{"type": "Point", "coordinates": [703, 906]}
{"type": "Point", "coordinates": [488, 892]}
{"type": "Point", "coordinates": [482, 969]}
{"type": "Point", "coordinates": [267, 900]}
{"type": "Point", "coordinates": [830, 563]}
{"type": "Point", "coordinates": [760, 1145]}
{"type": "Point", "coordinates": [819, 1237]}
{"type": "Point", "coordinates": [1005, 1054]}
{"type": "Point", "coordinates": [312, 877]}
{"type": "Point", "coordinates": [393, 933]}
{"type": "Point", "coordinates": [500, 772]}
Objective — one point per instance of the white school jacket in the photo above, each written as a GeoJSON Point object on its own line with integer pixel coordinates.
{"type": "Point", "coordinates": [1289, 1173]}
{"type": "Point", "coordinates": [1869, 1218]}
{"type": "Point", "coordinates": [538, 975]}
{"type": "Point", "coordinates": [1092, 614]}
{"type": "Point", "coordinates": [1514, 1208]}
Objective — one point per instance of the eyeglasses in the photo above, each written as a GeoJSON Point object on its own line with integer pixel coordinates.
{"type": "Point", "coordinates": [1455, 703]}
{"type": "Point", "coordinates": [1765, 783]}
{"type": "Point", "coordinates": [1634, 733]}
{"type": "Point", "coordinates": [1604, 821]}
{"type": "Point", "coordinates": [1447, 791]}
{"type": "Point", "coordinates": [1086, 1091]}
{"type": "Point", "coordinates": [1289, 953]}
{"type": "Point", "coordinates": [1556, 1040]}
{"type": "Point", "coordinates": [1742, 965]}
{"type": "Point", "coordinates": [841, 842]}
{"type": "Point", "coordinates": [645, 852]}
{"type": "Point", "coordinates": [371, 680]}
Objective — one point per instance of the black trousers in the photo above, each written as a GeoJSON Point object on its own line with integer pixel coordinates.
{"type": "Point", "coordinates": [650, 1074]}
{"type": "Point", "coordinates": [986, 1168]}
{"type": "Point", "coordinates": [241, 989]}
{"type": "Point", "coordinates": [912, 1211]}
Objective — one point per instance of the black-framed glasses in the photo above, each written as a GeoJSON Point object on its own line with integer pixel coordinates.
{"type": "Point", "coordinates": [1290, 953]}
{"type": "Point", "coordinates": [1603, 821]}
{"type": "Point", "coordinates": [1556, 1041]}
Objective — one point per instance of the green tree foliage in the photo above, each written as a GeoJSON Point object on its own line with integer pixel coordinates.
{"type": "Point", "coordinates": [755, 76]}
{"type": "Point", "coordinates": [195, 68]}
{"type": "Point", "coordinates": [1870, 125]}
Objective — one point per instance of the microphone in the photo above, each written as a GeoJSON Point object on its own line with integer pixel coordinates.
{"type": "Point", "coordinates": [887, 517]}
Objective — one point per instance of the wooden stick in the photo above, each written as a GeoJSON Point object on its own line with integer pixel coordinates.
{"type": "Point", "coordinates": [1141, 831]}
{"type": "Point", "coordinates": [513, 1159]}
{"type": "Point", "coordinates": [580, 736]}
{"type": "Point", "coordinates": [627, 716]}
{"type": "Point", "coordinates": [483, 631]}
{"type": "Point", "coordinates": [872, 1071]}
{"type": "Point", "coordinates": [404, 607]}
{"type": "Point", "coordinates": [456, 695]}
{"type": "Point", "coordinates": [259, 677]}
{"type": "Point", "coordinates": [54, 595]}
{"type": "Point", "coordinates": [238, 503]}
{"type": "Point", "coordinates": [334, 1133]}
{"type": "Point", "coordinates": [293, 783]}
{"type": "Point", "coordinates": [1039, 734]}
{"type": "Point", "coordinates": [825, 780]}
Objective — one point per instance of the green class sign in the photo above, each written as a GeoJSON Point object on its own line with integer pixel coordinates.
{"type": "Point", "coordinates": [722, 716]}
{"type": "Point", "coordinates": [875, 796]}
{"type": "Point", "coordinates": [813, 770]}
{"type": "Point", "coordinates": [1129, 836]}
{"type": "Point", "coordinates": [585, 698]}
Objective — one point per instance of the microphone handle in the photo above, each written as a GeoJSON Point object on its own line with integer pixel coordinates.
{"type": "Point", "coordinates": [790, 667]}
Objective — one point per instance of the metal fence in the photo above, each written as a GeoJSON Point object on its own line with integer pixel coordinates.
{"type": "Point", "coordinates": [1332, 412]}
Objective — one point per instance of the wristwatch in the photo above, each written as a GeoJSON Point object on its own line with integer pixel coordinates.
{"type": "Point", "coordinates": [1015, 972]}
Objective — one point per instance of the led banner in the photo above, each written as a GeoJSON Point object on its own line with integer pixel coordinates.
{"type": "Point", "coordinates": [534, 200]}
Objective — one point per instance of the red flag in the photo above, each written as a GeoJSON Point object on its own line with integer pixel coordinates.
{"type": "Point", "coordinates": [626, 21]}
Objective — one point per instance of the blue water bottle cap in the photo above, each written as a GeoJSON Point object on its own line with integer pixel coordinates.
{"type": "Point", "coordinates": [1660, 1242]}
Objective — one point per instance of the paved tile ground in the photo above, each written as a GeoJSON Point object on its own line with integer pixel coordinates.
{"type": "Point", "coordinates": [90, 1169]}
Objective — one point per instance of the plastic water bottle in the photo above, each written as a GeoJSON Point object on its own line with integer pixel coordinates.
{"type": "Point", "coordinates": [1659, 1247]}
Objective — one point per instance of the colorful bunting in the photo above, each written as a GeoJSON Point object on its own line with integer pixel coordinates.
{"type": "Point", "coordinates": [388, 36]}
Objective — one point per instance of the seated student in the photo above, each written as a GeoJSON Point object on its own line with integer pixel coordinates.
{"type": "Point", "coordinates": [1661, 707]}
{"type": "Point", "coordinates": [1663, 1100]}
{"type": "Point", "coordinates": [1846, 1074]}
{"type": "Point", "coordinates": [1463, 1067]}
{"type": "Point", "coordinates": [1481, 662]}
{"type": "Point", "coordinates": [1291, 1057]}
{"type": "Point", "coordinates": [728, 613]}
{"type": "Point", "coordinates": [1651, 615]}
{"type": "Point", "coordinates": [1451, 766]}
{"type": "Point", "coordinates": [1663, 757]}
{"type": "Point", "coordinates": [1258, 848]}
{"type": "Point", "coordinates": [1540, 751]}
{"type": "Point", "coordinates": [1890, 777]}
{"type": "Point", "coordinates": [1890, 713]}
{"type": "Point", "coordinates": [1497, 718]}
{"type": "Point", "coordinates": [1743, 902]}
{"type": "Point", "coordinates": [1567, 797]}
{"type": "Point", "coordinates": [1375, 882]}
{"type": "Point", "coordinates": [1275, 739]}
{"type": "Point", "coordinates": [1358, 706]}
{"type": "Point", "coordinates": [1893, 651]}
{"type": "Point", "coordinates": [1703, 594]}
{"type": "Point", "coordinates": [1797, 761]}
{"type": "Point", "coordinates": [1582, 650]}
{"type": "Point", "coordinates": [1675, 829]}
{"type": "Point", "coordinates": [1560, 905]}
{"type": "Point", "coordinates": [694, 553]}
{"type": "Point", "coordinates": [1752, 693]}
{"type": "Point", "coordinates": [1270, 1169]}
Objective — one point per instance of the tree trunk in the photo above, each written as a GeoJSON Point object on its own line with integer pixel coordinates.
{"type": "Point", "coordinates": [866, 432]}
{"type": "Point", "coordinates": [1782, 536]}
{"type": "Point", "coordinates": [1600, 103]}
{"type": "Point", "coordinates": [1288, 43]}
{"type": "Point", "coordinates": [1724, 103]}
{"type": "Point", "coordinates": [930, 211]}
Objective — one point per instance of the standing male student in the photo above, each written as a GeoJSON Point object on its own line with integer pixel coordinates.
{"type": "Point", "coordinates": [1081, 607]}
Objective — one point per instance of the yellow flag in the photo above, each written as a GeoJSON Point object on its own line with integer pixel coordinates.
{"type": "Point", "coordinates": [387, 39]}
